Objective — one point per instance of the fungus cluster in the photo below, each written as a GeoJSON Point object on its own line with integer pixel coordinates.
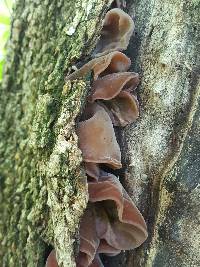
{"type": "Point", "coordinates": [111, 222]}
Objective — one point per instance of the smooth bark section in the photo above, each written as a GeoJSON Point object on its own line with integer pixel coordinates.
{"type": "Point", "coordinates": [178, 230]}
{"type": "Point", "coordinates": [166, 49]}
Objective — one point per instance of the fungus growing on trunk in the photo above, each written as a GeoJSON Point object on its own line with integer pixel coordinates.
{"type": "Point", "coordinates": [97, 139]}
{"type": "Point", "coordinates": [117, 29]}
{"type": "Point", "coordinates": [89, 240]}
{"type": "Point", "coordinates": [123, 110]}
{"type": "Point", "coordinates": [111, 222]}
{"type": "Point", "coordinates": [109, 86]}
{"type": "Point", "coordinates": [126, 228]}
{"type": "Point", "coordinates": [110, 63]}
{"type": "Point", "coordinates": [115, 89]}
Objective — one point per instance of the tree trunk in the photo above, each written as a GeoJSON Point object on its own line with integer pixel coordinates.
{"type": "Point", "coordinates": [43, 187]}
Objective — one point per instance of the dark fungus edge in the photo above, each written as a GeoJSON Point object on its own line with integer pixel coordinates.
{"type": "Point", "coordinates": [111, 222]}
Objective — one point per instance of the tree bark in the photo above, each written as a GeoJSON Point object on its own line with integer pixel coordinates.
{"type": "Point", "coordinates": [162, 148]}
{"type": "Point", "coordinates": [42, 185]}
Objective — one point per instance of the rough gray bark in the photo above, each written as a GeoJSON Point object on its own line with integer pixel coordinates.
{"type": "Point", "coordinates": [43, 191]}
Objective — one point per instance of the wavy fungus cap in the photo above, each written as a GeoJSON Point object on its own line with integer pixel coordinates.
{"type": "Point", "coordinates": [109, 86]}
{"type": "Point", "coordinates": [110, 63]}
{"type": "Point", "coordinates": [89, 240]}
{"type": "Point", "coordinates": [117, 30]}
{"type": "Point", "coordinates": [111, 224]}
{"type": "Point", "coordinates": [114, 89]}
{"type": "Point", "coordinates": [113, 62]}
{"type": "Point", "coordinates": [123, 109]}
{"type": "Point", "coordinates": [124, 229]}
{"type": "Point", "coordinates": [97, 139]}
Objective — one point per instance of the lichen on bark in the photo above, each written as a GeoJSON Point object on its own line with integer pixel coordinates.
{"type": "Point", "coordinates": [43, 191]}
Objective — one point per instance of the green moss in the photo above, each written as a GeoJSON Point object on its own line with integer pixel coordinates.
{"type": "Point", "coordinates": [43, 192]}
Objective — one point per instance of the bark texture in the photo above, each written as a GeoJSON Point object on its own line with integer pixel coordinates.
{"type": "Point", "coordinates": [42, 186]}
{"type": "Point", "coordinates": [162, 151]}
{"type": "Point", "coordinates": [43, 189]}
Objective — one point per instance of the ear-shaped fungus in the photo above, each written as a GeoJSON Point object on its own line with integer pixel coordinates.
{"type": "Point", "coordinates": [89, 240]}
{"type": "Point", "coordinates": [97, 139]}
{"type": "Point", "coordinates": [111, 222]}
{"type": "Point", "coordinates": [115, 89]}
{"type": "Point", "coordinates": [112, 231]}
{"type": "Point", "coordinates": [110, 85]}
{"type": "Point", "coordinates": [123, 109]}
{"type": "Point", "coordinates": [110, 63]}
{"type": "Point", "coordinates": [116, 224]}
{"type": "Point", "coordinates": [126, 229]}
{"type": "Point", "coordinates": [117, 30]}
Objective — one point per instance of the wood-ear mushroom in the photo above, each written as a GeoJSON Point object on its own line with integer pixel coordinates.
{"type": "Point", "coordinates": [111, 222]}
